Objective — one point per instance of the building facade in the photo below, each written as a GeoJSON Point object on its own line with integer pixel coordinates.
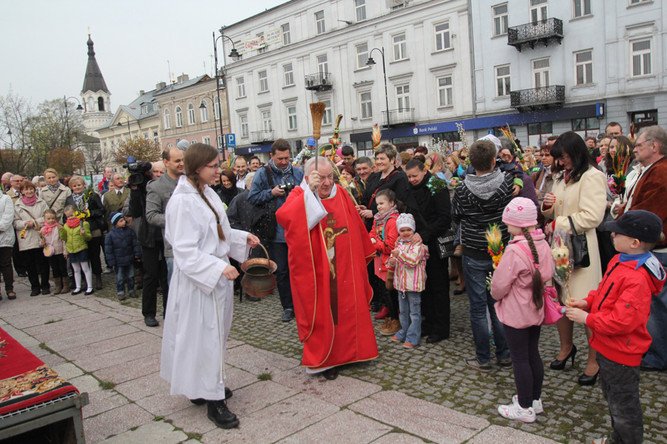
{"type": "Point", "coordinates": [189, 109]}
{"type": "Point", "coordinates": [545, 67]}
{"type": "Point", "coordinates": [306, 51]}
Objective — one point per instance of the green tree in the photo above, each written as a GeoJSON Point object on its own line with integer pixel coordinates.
{"type": "Point", "coordinates": [141, 149]}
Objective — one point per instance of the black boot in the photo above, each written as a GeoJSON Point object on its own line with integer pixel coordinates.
{"type": "Point", "coordinates": [202, 401]}
{"type": "Point", "coordinates": [221, 416]}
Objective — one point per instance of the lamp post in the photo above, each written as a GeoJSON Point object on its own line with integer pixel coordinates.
{"type": "Point", "coordinates": [215, 121]}
{"type": "Point", "coordinates": [371, 62]}
{"type": "Point", "coordinates": [67, 128]}
{"type": "Point", "coordinates": [234, 54]}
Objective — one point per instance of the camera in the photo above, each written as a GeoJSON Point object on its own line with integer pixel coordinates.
{"type": "Point", "coordinates": [287, 186]}
{"type": "Point", "coordinates": [137, 171]}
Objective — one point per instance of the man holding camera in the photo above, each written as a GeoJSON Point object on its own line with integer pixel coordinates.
{"type": "Point", "coordinates": [270, 188]}
{"type": "Point", "coordinates": [150, 238]}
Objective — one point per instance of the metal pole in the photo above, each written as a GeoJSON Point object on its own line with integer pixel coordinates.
{"type": "Point", "coordinates": [386, 94]}
{"type": "Point", "coordinates": [69, 142]}
{"type": "Point", "coordinates": [217, 91]}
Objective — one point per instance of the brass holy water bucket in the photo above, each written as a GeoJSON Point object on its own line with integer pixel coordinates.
{"type": "Point", "coordinates": [258, 279]}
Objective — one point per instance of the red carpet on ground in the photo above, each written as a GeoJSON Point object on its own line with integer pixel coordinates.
{"type": "Point", "coordinates": [24, 379]}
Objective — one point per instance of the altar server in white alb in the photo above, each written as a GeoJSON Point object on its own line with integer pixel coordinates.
{"type": "Point", "coordinates": [201, 292]}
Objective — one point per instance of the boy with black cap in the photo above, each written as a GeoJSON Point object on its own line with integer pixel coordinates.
{"type": "Point", "coordinates": [617, 313]}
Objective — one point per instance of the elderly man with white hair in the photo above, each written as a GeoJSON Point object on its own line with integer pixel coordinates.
{"type": "Point", "coordinates": [328, 249]}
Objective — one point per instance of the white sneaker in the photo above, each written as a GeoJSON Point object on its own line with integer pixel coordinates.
{"type": "Point", "coordinates": [514, 411]}
{"type": "Point", "coordinates": [537, 404]}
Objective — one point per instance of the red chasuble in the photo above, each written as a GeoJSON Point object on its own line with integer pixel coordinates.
{"type": "Point", "coordinates": [330, 287]}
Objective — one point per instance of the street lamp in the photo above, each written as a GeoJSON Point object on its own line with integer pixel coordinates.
{"type": "Point", "coordinates": [67, 128]}
{"type": "Point", "coordinates": [234, 54]}
{"type": "Point", "coordinates": [371, 62]}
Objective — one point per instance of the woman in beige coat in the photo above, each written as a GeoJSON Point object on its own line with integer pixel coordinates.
{"type": "Point", "coordinates": [580, 192]}
{"type": "Point", "coordinates": [28, 219]}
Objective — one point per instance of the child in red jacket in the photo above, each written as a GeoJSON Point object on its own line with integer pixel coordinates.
{"type": "Point", "coordinates": [383, 235]}
{"type": "Point", "coordinates": [617, 313]}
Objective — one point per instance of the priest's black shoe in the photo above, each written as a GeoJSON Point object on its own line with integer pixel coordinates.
{"type": "Point", "coordinates": [330, 374]}
{"type": "Point", "coordinates": [221, 416]}
{"type": "Point", "coordinates": [432, 339]}
{"type": "Point", "coordinates": [202, 401]}
{"type": "Point", "coordinates": [150, 321]}
{"type": "Point", "coordinates": [584, 379]}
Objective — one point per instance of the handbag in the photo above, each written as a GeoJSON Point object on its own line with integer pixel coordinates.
{"type": "Point", "coordinates": [552, 308]}
{"type": "Point", "coordinates": [580, 256]}
{"type": "Point", "coordinates": [446, 244]}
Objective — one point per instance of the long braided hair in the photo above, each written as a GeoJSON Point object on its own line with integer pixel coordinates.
{"type": "Point", "coordinates": [196, 157]}
{"type": "Point", "coordinates": [538, 284]}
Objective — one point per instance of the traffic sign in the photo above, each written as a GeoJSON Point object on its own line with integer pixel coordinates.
{"type": "Point", "coordinates": [230, 140]}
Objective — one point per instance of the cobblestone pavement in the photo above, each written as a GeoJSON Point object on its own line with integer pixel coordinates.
{"type": "Point", "coordinates": [426, 394]}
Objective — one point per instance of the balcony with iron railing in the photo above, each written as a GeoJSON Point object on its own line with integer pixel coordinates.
{"type": "Point", "coordinates": [320, 81]}
{"type": "Point", "coordinates": [259, 137]}
{"type": "Point", "coordinates": [538, 98]}
{"type": "Point", "coordinates": [531, 34]}
{"type": "Point", "coordinates": [399, 117]}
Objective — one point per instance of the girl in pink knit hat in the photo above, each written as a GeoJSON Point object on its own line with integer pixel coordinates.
{"type": "Point", "coordinates": [518, 286]}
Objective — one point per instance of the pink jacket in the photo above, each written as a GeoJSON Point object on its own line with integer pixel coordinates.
{"type": "Point", "coordinates": [512, 281]}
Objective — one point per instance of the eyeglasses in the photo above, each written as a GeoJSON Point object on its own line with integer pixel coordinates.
{"type": "Point", "coordinates": [643, 142]}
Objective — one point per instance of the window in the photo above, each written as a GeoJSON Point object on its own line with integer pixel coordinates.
{"type": "Point", "coordinates": [263, 81]}
{"type": "Point", "coordinates": [261, 49]}
{"type": "Point", "coordinates": [288, 74]}
{"type": "Point", "coordinates": [326, 119]}
{"type": "Point", "coordinates": [322, 64]}
{"type": "Point", "coordinates": [179, 117]}
{"type": "Point", "coordinates": [540, 73]}
{"type": "Point", "coordinates": [287, 39]}
{"type": "Point", "coordinates": [366, 105]}
{"type": "Point", "coordinates": [219, 138]}
{"type": "Point", "coordinates": [291, 118]}
{"type": "Point", "coordinates": [403, 98]}
{"type": "Point", "coordinates": [266, 120]}
{"type": "Point", "coordinates": [538, 11]}
{"type": "Point", "coordinates": [538, 133]}
{"type": "Point", "coordinates": [500, 19]}
{"type": "Point", "coordinates": [243, 121]}
{"type": "Point", "coordinates": [502, 80]}
{"type": "Point", "coordinates": [586, 126]}
{"type": "Point", "coordinates": [445, 91]}
{"type": "Point", "coordinates": [167, 119]}
{"type": "Point", "coordinates": [641, 57]}
{"type": "Point", "coordinates": [582, 8]}
{"type": "Point", "coordinates": [636, 2]}
{"type": "Point", "coordinates": [240, 86]}
{"type": "Point", "coordinates": [583, 67]}
{"type": "Point", "coordinates": [400, 47]}
{"type": "Point", "coordinates": [203, 112]}
{"type": "Point", "coordinates": [216, 107]}
{"type": "Point", "coordinates": [362, 55]}
{"type": "Point", "coordinates": [319, 21]}
{"type": "Point", "coordinates": [442, 37]}
{"type": "Point", "coordinates": [360, 7]}
{"type": "Point", "coordinates": [191, 114]}
{"type": "Point", "coordinates": [207, 140]}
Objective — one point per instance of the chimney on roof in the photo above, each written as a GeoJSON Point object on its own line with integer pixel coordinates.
{"type": "Point", "coordinates": [160, 85]}
{"type": "Point", "coordinates": [182, 78]}
{"type": "Point", "coordinates": [142, 92]}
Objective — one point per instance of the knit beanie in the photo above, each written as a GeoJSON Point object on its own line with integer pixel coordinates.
{"type": "Point", "coordinates": [115, 217]}
{"type": "Point", "coordinates": [405, 220]}
{"type": "Point", "coordinates": [520, 212]}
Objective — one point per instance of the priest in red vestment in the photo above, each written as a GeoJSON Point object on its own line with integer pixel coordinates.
{"type": "Point", "coordinates": [329, 249]}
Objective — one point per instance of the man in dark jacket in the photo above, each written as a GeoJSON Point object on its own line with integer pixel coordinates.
{"type": "Point", "coordinates": [433, 218]}
{"type": "Point", "coordinates": [270, 186]}
{"type": "Point", "coordinates": [121, 248]}
{"type": "Point", "coordinates": [479, 202]}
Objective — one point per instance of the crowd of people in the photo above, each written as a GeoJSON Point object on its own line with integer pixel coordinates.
{"type": "Point", "coordinates": [387, 235]}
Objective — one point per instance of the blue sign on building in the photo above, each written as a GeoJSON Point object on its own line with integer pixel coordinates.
{"type": "Point", "coordinates": [230, 140]}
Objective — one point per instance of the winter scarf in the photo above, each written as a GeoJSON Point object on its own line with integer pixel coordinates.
{"type": "Point", "coordinates": [73, 222]}
{"type": "Point", "coordinates": [47, 228]}
{"type": "Point", "coordinates": [29, 201]}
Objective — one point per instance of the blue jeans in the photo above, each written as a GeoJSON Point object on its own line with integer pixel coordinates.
{"type": "Point", "coordinates": [475, 272]}
{"type": "Point", "coordinates": [124, 273]}
{"type": "Point", "coordinates": [410, 315]}
{"type": "Point", "coordinates": [656, 356]}
{"type": "Point", "coordinates": [170, 268]}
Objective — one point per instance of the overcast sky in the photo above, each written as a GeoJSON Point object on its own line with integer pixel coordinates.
{"type": "Point", "coordinates": [43, 49]}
